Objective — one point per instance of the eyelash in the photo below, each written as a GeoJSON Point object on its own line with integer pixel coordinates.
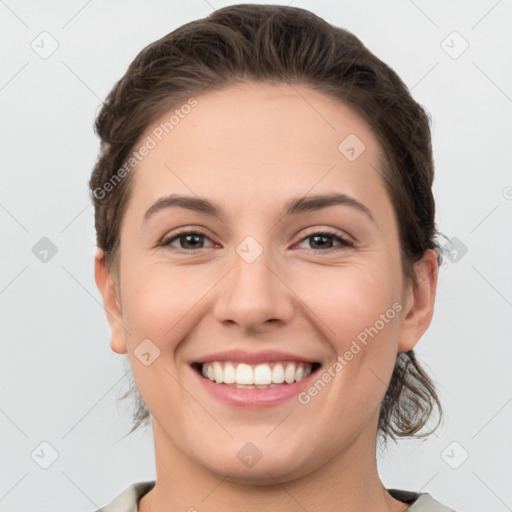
{"type": "Point", "coordinates": [344, 242]}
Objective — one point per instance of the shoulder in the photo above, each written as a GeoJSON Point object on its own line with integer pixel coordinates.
{"type": "Point", "coordinates": [128, 500]}
{"type": "Point", "coordinates": [420, 502]}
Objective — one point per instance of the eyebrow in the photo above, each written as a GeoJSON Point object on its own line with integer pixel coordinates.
{"type": "Point", "coordinates": [292, 207]}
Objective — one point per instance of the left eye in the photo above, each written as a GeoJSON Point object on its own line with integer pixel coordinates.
{"type": "Point", "coordinates": [190, 240]}
{"type": "Point", "coordinates": [324, 241]}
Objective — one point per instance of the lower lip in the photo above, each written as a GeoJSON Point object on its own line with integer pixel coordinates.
{"type": "Point", "coordinates": [254, 397]}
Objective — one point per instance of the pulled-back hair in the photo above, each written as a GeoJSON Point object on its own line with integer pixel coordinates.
{"type": "Point", "coordinates": [277, 44]}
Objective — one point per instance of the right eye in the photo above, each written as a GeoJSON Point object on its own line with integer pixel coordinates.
{"type": "Point", "coordinates": [187, 240]}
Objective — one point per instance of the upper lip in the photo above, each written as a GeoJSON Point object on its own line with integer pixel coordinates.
{"type": "Point", "coordinates": [265, 356]}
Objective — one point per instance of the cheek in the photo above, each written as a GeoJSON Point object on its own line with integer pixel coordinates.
{"type": "Point", "coordinates": [348, 300]}
{"type": "Point", "coordinates": [161, 303]}
{"type": "Point", "coordinates": [359, 310]}
{"type": "Point", "coordinates": [158, 301]}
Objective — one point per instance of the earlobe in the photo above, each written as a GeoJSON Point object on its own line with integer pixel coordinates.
{"type": "Point", "coordinates": [110, 302]}
{"type": "Point", "coordinates": [419, 302]}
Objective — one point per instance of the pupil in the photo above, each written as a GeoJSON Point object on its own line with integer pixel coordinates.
{"type": "Point", "coordinates": [190, 238]}
{"type": "Point", "coordinates": [321, 237]}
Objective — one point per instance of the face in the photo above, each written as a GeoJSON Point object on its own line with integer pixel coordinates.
{"type": "Point", "coordinates": [255, 246]}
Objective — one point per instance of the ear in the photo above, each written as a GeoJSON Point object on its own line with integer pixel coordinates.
{"type": "Point", "coordinates": [111, 303]}
{"type": "Point", "coordinates": [419, 302]}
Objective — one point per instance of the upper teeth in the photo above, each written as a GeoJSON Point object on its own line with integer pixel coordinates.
{"type": "Point", "coordinates": [260, 374]}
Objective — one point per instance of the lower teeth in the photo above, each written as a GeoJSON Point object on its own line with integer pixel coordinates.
{"type": "Point", "coordinates": [253, 386]}
{"type": "Point", "coordinates": [250, 386]}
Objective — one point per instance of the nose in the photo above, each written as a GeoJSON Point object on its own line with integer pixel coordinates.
{"type": "Point", "coordinates": [254, 296]}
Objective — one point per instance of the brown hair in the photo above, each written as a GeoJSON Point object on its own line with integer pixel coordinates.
{"type": "Point", "coordinates": [272, 44]}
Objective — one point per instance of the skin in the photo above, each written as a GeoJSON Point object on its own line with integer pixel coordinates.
{"type": "Point", "coordinates": [249, 149]}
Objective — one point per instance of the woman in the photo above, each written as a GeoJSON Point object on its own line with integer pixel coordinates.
{"type": "Point", "coordinates": [267, 260]}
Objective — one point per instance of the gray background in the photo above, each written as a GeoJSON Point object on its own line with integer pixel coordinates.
{"type": "Point", "coordinates": [59, 380]}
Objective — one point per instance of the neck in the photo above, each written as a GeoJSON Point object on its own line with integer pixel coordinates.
{"type": "Point", "coordinates": [350, 480]}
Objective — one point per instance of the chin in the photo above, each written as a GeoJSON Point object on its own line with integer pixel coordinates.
{"type": "Point", "coordinates": [262, 475]}
{"type": "Point", "coordinates": [264, 467]}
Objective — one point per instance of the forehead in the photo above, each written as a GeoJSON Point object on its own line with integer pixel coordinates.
{"type": "Point", "coordinates": [252, 141]}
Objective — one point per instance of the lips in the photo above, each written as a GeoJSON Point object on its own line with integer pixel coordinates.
{"type": "Point", "coordinates": [243, 356]}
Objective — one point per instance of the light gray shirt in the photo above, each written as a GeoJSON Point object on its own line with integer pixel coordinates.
{"type": "Point", "coordinates": [128, 500]}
